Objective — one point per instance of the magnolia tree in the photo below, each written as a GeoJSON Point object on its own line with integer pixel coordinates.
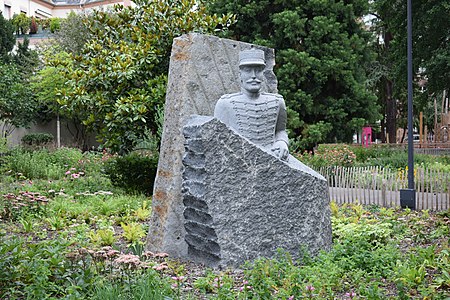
{"type": "Point", "coordinates": [116, 85]}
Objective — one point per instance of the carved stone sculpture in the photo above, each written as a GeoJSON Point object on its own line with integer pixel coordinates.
{"type": "Point", "coordinates": [260, 117]}
{"type": "Point", "coordinates": [222, 196]}
{"type": "Point", "coordinates": [202, 69]}
{"type": "Point", "coordinates": [240, 201]}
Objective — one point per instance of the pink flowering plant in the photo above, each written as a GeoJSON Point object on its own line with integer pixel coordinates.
{"type": "Point", "coordinates": [73, 174]}
{"type": "Point", "coordinates": [13, 205]}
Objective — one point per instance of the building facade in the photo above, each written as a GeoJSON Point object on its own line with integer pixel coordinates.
{"type": "Point", "coordinates": [44, 9]}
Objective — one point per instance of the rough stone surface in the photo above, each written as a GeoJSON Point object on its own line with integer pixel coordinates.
{"type": "Point", "coordinates": [241, 202]}
{"type": "Point", "coordinates": [202, 69]}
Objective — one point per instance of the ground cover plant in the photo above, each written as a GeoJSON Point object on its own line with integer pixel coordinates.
{"type": "Point", "coordinates": [66, 232]}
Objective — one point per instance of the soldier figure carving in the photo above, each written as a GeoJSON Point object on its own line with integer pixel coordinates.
{"type": "Point", "coordinates": [259, 117]}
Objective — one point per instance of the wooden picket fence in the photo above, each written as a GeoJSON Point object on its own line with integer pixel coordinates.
{"type": "Point", "coordinates": [381, 186]}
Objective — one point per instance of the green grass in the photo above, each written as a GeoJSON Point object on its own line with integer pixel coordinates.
{"type": "Point", "coordinates": [54, 248]}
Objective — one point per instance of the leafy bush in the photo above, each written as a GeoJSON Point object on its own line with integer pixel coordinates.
{"type": "Point", "coordinates": [38, 270]}
{"type": "Point", "coordinates": [329, 155]}
{"type": "Point", "coordinates": [55, 24]}
{"type": "Point", "coordinates": [363, 154]}
{"type": "Point", "coordinates": [37, 139]}
{"type": "Point", "coordinates": [132, 232]}
{"type": "Point", "coordinates": [3, 145]}
{"type": "Point", "coordinates": [372, 233]}
{"type": "Point", "coordinates": [376, 155]}
{"type": "Point", "coordinates": [102, 237]}
{"type": "Point", "coordinates": [21, 23]}
{"type": "Point", "coordinates": [133, 172]}
{"type": "Point", "coordinates": [45, 23]}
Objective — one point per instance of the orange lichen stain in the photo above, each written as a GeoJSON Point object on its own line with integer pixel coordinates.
{"type": "Point", "coordinates": [181, 53]}
{"type": "Point", "coordinates": [162, 173]}
{"type": "Point", "coordinates": [161, 210]}
{"type": "Point", "coordinates": [181, 56]}
{"type": "Point", "coordinates": [160, 195]}
{"type": "Point", "coordinates": [182, 42]}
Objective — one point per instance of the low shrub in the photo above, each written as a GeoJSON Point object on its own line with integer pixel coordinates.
{"type": "Point", "coordinates": [42, 164]}
{"type": "Point", "coordinates": [376, 155]}
{"type": "Point", "coordinates": [37, 139]}
{"type": "Point", "coordinates": [363, 154]}
{"type": "Point", "coordinates": [134, 172]}
{"type": "Point", "coordinates": [34, 271]}
{"type": "Point", "coordinates": [3, 145]}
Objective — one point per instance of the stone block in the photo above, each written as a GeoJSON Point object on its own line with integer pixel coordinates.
{"type": "Point", "coordinates": [241, 202]}
{"type": "Point", "coordinates": [202, 69]}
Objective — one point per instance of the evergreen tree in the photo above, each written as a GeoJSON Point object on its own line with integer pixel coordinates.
{"type": "Point", "coordinates": [382, 75]}
{"type": "Point", "coordinates": [26, 59]}
{"type": "Point", "coordinates": [7, 38]}
{"type": "Point", "coordinates": [322, 50]}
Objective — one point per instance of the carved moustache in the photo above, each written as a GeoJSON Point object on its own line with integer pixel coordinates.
{"type": "Point", "coordinates": [253, 81]}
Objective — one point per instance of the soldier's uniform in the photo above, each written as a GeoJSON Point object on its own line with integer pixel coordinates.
{"type": "Point", "coordinates": [261, 120]}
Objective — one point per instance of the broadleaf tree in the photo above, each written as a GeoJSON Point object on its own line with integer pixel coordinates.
{"type": "Point", "coordinates": [431, 56]}
{"type": "Point", "coordinates": [322, 52]}
{"type": "Point", "coordinates": [73, 33]}
{"type": "Point", "coordinates": [118, 81]}
{"type": "Point", "coordinates": [17, 103]}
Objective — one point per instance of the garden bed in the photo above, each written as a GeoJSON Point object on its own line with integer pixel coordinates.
{"type": "Point", "coordinates": [67, 233]}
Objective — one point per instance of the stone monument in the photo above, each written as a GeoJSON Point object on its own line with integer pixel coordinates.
{"type": "Point", "coordinates": [245, 197]}
{"type": "Point", "coordinates": [202, 69]}
{"type": "Point", "coordinates": [239, 195]}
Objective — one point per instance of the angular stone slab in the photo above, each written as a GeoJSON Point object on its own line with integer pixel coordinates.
{"type": "Point", "coordinates": [242, 203]}
{"type": "Point", "coordinates": [202, 69]}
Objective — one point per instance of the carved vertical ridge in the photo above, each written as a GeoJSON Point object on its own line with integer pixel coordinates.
{"type": "Point", "coordinates": [200, 234]}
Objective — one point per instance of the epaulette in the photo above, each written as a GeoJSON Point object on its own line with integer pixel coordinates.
{"type": "Point", "coordinates": [228, 96]}
{"type": "Point", "coordinates": [272, 94]}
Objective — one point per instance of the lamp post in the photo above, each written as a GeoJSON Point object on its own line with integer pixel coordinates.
{"type": "Point", "coordinates": [408, 196]}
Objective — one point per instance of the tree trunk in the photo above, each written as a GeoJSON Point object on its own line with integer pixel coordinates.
{"type": "Point", "coordinates": [391, 113]}
{"type": "Point", "coordinates": [383, 131]}
{"type": "Point", "coordinates": [391, 103]}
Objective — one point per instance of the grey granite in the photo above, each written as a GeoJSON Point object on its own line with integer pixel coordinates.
{"type": "Point", "coordinates": [260, 117]}
{"type": "Point", "coordinates": [242, 203]}
{"type": "Point", "coordinates": [202, 69]}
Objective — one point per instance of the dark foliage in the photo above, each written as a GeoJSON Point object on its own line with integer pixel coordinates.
{"type": "Point", "coordinates": [135, 173]}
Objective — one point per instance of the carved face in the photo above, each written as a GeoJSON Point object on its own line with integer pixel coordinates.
{"type": "Point", "coordinates": [251, 77]}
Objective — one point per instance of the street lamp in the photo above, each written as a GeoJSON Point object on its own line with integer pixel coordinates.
{"type": "Point", "coordinates": [408, 196]}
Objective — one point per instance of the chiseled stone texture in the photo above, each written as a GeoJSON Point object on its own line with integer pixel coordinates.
{"type": "Point", "coordinates": [202, 69]}
{"type": "Point", "coordinates": [242, 203]}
